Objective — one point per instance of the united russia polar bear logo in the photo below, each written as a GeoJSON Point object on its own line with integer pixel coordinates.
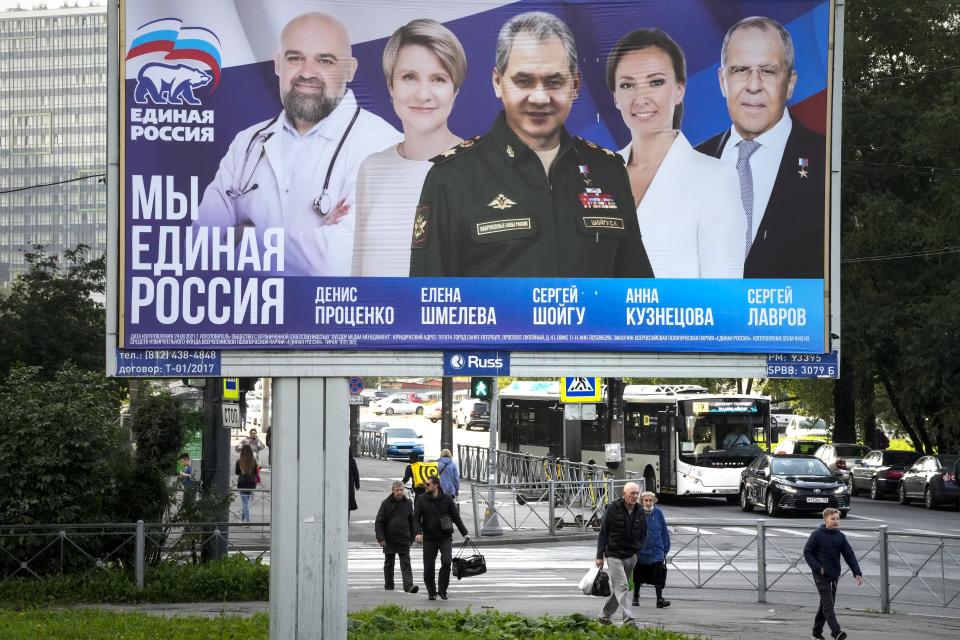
{"type": "Point", "coordinates": [169, 84]}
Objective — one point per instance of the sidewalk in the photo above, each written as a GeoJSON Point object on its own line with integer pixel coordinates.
{"type": "Point", "coordinates": [692, 612]}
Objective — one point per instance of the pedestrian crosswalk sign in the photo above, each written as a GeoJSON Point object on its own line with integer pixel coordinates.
{"type": "Point", "coordinates": [580, 390]}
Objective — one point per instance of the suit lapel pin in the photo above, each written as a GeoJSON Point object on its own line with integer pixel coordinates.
{"type": "Point", "coordinates": [803, 163]}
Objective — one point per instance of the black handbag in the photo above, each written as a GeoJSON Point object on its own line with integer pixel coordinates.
{"type": "Point", "coordinates": [464, 567]}
{"type": "Point", "coordinates": [446, 524]}
{"type": "Point", "coordinates": [601, 584]}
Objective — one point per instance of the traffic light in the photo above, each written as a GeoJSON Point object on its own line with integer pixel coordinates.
{"type": "Point", "coordinates": [481, 387]}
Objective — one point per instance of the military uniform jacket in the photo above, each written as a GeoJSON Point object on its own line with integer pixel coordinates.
{"type": "Point", "coordinates": [489, 209]}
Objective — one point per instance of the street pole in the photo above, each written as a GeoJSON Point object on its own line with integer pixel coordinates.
{"type": "Point", "coordinates": [615, 396]}
{"type": "Point", "coordinates": [491, 524]}
{"type": "Point", "coordinates": [446, 413]}
{"type": "Point", "coordinates": [215, 470]}
{"type": "Point", "coordinates": [354, 429]}
{"type": "Point", "coordinates": [265, 414]}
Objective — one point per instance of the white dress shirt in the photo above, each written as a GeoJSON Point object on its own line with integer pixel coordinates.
{"type": "Point", "coordinates": [764, 163]}
{"type": "Point", "coordinates": [691, 218]}
{"type": "Point", "coordinates": [289, 177]}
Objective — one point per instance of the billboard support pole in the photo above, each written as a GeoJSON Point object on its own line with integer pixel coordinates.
{"type": "Point", "coordinates": [308, 549]}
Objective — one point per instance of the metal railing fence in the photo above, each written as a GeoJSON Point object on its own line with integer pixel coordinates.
{"type": "Point", "coordinates": [83, 549]}
{"type": "Point", "coordinates": [372, 444]}
{"type": "Point", "coordinates": [763, 557]}
{"type": "Point", "coordinates": [526, 468]}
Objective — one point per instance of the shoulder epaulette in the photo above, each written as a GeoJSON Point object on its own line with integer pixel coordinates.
{"type": "Point", "coordinates": [596, 147]}
{"type": "Point", "coordinates": [460, 149]}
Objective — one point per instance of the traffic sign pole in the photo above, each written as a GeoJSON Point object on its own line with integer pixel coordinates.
{"type": "Point", "coordinates": [491, 524]}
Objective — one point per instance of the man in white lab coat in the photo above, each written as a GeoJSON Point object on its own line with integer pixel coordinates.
{"type": "Point", "coordinates": [297, 172]}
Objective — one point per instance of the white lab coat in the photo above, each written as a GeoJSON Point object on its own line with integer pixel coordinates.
{"type": "Point", "coordinates": [310, 247]}
{"type": "Point", "coordinates": [691, 218]}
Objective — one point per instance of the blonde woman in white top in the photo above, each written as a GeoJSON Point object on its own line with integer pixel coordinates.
{"type": "Point", "coordinates": [424, 65]}
{"type": "Point", "coordinates": [688, 204]}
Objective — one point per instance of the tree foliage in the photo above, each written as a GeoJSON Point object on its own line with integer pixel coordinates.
{"type": "Point", "coordinates": [63, 451]}
{"type": "Point", "coordinates": [901, 214]}
{"type": "Point", "coordinates": [53, 313]}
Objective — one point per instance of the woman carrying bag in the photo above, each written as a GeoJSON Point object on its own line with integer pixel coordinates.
{"type": "Point", "coordinates": [651, 565]}
{"type": "Point", "coordinates": [246, 472]}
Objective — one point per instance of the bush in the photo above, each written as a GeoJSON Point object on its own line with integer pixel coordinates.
{"type": "Point", "coordinates": [230, 579]}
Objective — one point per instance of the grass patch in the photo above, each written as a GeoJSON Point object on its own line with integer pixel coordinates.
{"type": "Point", "coordinates": [382, 623]}
{"type": "Point", "coordinates": [229, 579]}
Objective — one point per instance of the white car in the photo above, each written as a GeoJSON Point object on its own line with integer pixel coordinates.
{"type": "Point", "coordinates": [434, 411]}
{"type": "Point", "coordinates": [396, 405]}
{"type": "Point", "coordinates": [799, 427]}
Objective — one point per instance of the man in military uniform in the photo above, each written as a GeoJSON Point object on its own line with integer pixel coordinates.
{"type": "Point", "coordinates": [527, 199]}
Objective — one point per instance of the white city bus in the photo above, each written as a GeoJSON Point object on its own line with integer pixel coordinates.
{"type": "Point", "coordinates": [678, 437]}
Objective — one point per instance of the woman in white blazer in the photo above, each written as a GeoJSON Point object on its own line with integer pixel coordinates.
{"type": "Point", "coordinates": [688, 204]}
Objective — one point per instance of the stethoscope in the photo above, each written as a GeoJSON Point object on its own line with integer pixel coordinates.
{"type": "Point", "coordinates": [322, 203]}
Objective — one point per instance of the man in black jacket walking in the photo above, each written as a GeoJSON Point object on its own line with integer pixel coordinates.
{"type": "Point", "coordinates": [822, 552]}
{"type": "Point", "coordinates": [434, 517]}
{"type": "Point", "coordinates": [394, 529]}
{"type": "Point", "coordinates": [622, 534]}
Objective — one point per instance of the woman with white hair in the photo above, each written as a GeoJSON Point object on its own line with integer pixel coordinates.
{"type": "Point", "coordinates": [651, 567]}
{"type": "Point", "coordinates": [424, 65]}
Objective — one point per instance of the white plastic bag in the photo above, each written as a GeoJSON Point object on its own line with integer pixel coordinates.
{"type": "Point", "coordinates": [586, 582]}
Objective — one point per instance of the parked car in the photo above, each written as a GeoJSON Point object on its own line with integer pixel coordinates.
{"type": "Point", "coordinates": [798, 447]}
{"type": "Point", "coordinates": [804, 427]}
{"type": "Point", "coordinates": [401, 441]}
{"type": "Point", "coordinates": [840, 456]}
{"type": "Point", "coordinates": [781, 483]}
{"type": "Point", "coordinates": [472, 414]}
{"type": "Point", "coordinates": [932, 479]}
{"type": "Point", "coordinates": [880, 471]}
{"type": "Point", "coordinates": [434, 411]}
{"type": "Point", "coordinates": [371, 395]}
{"type": "Point", "coordinates": [373, 425]}
{"type": "Point", "coordinates": [396, 405]}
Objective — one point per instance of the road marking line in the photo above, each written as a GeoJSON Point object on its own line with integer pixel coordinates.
{"type": "Point", "coordinates": [695, 530]}
{"type": "Point", "coordinates": [853, 515]}
{"type": "Point", "coordinates": [741, 530]}
{"type": "Point", "coordinates": [791, 532]}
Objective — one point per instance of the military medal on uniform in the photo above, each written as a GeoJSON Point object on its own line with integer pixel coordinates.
{"type": "Point", "coordinates": [585, 174]}
{"type": "Point", "coordinates": [803, 164]}
{"type": "Point", "coordinates": [594, 198]}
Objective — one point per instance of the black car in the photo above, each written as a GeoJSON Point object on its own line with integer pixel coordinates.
{"type": "Point", "coordinates": [932, 479]}
{"type": "Point", "coordinates": [781, 483]}
{"type": "Point", "coordinates": [880, 471]}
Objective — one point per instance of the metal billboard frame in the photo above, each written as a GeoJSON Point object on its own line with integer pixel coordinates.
{"type": "Point", "coordinates": [292, 363]}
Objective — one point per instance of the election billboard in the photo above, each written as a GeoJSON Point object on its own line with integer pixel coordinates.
{"type": "Point", "coordinates": [649, 176]}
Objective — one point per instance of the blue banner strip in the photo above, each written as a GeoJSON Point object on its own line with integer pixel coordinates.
{"type": "Point", "coordinates": [545, 314]}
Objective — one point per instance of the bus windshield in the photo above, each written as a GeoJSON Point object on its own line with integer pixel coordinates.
{"type": "Point", "coordinates": [722, 436]}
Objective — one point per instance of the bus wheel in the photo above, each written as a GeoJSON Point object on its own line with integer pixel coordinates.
{"type": "Point", "coordinates": [732, 499]}
{"type": "Point", "coordinates": [521, 499]}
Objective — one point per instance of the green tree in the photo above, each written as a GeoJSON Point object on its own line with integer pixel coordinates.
{"type": "Point", "coordinates": [901, 214]}
{"type": "Point", "coordinates": [159, 425]}
{"type": "Point", "coordinates": [53, 314]}
{"type": "Point", "coordinates": [62, 447]}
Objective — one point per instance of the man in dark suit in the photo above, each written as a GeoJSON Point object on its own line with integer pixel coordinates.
{"type": "Point", "coordinates": [780, 163]}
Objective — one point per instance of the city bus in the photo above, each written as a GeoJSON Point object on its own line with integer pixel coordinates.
{"type": "Point", "coordinates": [681, 439]}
